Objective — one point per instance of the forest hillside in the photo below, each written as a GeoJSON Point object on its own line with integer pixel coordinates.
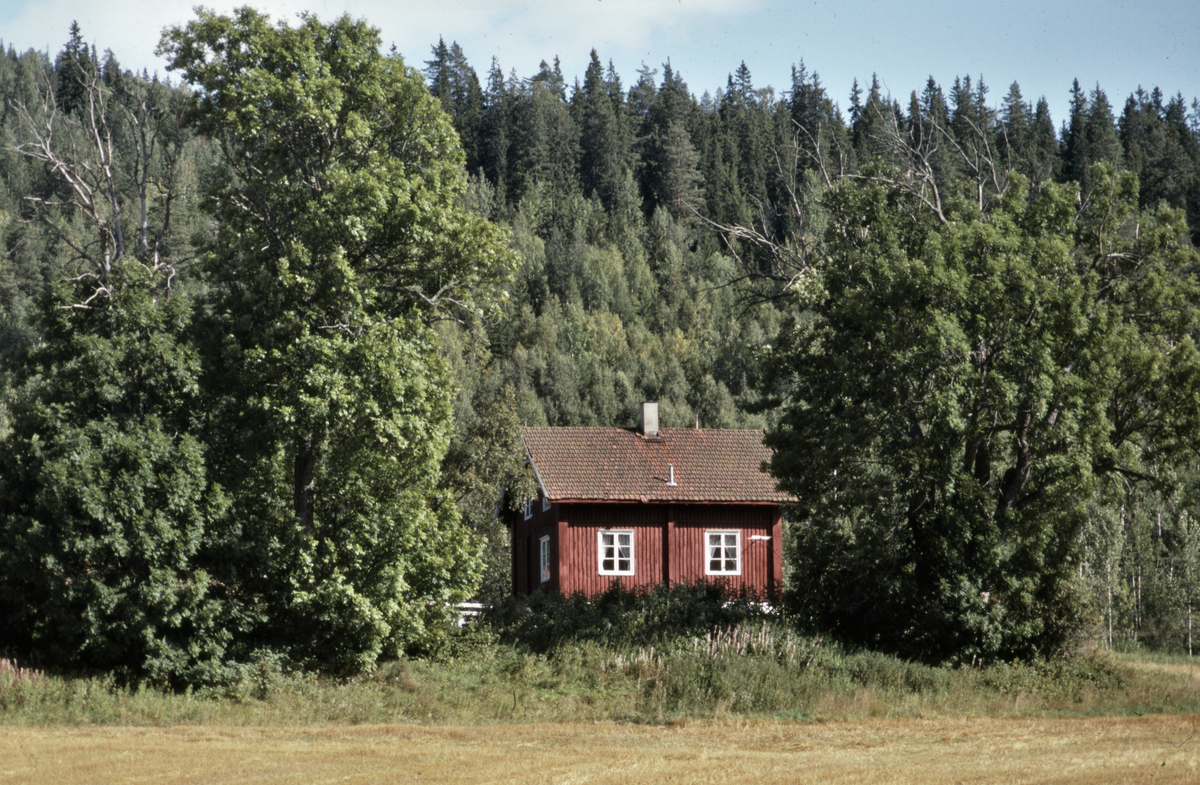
{"type": "Point", "coordinates": [645, 240]}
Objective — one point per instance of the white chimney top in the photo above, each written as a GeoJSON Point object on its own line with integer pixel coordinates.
{"type": "Point", "coordinates": [649, 425]}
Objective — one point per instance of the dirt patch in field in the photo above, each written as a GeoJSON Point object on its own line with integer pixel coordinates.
{"type": "Point", "coordinates": [1100, 750]}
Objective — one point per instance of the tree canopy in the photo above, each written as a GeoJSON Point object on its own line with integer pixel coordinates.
{"type": "Point", "coordinates": [260, 476]}
{"type": "Point", "coordinates": [956, 392]}
{"type": "Point", "coordinates": [341, 235]}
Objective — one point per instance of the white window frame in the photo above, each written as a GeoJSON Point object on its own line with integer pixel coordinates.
{"type": "Point", "coordinates": [720, 554]}
{"type": "Point", "coordinates": [544, 557]}
{"type": "Point", "coordinates": [545, 503]}
{"type": "Point", "coordinates": [610, 551]}
{"type": "Point", "coordinates": [528, 509]}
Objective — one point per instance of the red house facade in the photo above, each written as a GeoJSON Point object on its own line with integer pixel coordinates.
{"type": "Point", "coordinates": [644, 506]}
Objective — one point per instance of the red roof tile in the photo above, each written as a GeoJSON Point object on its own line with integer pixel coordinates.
{"type": "Point", "coordinates": [619, 464]}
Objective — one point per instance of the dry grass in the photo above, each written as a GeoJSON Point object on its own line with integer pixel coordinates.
{"type": "Point", "coordinates": [927, 751]}
{"type": "Point", "coordinates": [591, 715]}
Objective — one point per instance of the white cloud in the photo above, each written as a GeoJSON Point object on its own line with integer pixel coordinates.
{"type": "Point", "coordinates": [519, 33]}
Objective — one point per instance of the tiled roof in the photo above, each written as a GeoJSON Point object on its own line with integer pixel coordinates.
{"type": "Point", "coordinates": [619, 464]}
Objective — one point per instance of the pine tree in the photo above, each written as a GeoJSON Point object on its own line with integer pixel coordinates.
{"type": "Point", "coordinates": [1073, 148]}
{"type": "Point", "coordinates": [1099, 143]}
{"type": "Point", "coordinates": [1015, 130]}
{"type": "Point", "coordinates": [455, 84]}
{"type": "Point", "coordinates": [1045, 163]}
{"type": "Point", "coordinates": [497, 124]}
{"type": "Point", "coordinates": [602, 147]}
{"type": "Point", "coordinates": [873, 126]}
{"type": "Point", "coordinates": [75, 69]}
{"type": "Point", "coordinates": [819, 130]}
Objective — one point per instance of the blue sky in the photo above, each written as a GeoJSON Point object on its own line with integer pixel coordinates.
{"type": "Point", "coordinates": [1041, 45]}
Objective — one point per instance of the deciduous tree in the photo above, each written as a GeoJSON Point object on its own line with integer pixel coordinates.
{"type": "Point", "coordinates": [342, 234]}
{"type": "Point", "coordinates": [954, 393]}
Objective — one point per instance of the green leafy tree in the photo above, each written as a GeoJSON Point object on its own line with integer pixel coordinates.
{"type": "Point", "coordinates": [106, 501]}
{"type": "Point", "coordinates": [954, 393]}
{"type": "Point", "coordinates": [342, 234]}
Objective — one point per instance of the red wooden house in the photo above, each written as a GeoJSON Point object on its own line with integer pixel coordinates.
{"type": "Point", "coordinates": [646, 505]}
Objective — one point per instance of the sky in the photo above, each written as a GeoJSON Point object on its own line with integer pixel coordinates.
{"type": "Point", "coordinates": [1042, 45]}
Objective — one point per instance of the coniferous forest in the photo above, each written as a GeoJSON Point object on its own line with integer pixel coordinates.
{"type": "Point", "coordinates": [269, 326]}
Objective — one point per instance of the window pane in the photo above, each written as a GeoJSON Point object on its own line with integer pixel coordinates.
{"type": "Point", "coordinates": [723, 553]}
{"type": "Point", "coordinates": [616, 552]}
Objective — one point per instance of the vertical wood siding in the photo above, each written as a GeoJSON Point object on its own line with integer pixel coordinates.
{"type": "Point", "coordinates": [579, 560]}
{"type": "Point", "coordinates": [691, 547]}
{"type": "Point", "coordinates": [526, 556]}
{"type": "Point", "coordinates": [573, 530]}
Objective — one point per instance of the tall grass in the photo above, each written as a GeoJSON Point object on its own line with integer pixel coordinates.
{"type": "Point", "coordinates": [757, 670]}
{"type": "Point", "coordinates": [651, 656]}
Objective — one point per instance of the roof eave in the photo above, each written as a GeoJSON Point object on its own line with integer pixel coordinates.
{"type": "Point", "coordinates": [536, 474]}
{"type": "Point", "coordinates": [647, 500]}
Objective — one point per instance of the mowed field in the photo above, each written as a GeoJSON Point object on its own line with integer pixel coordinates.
{"type": "Point", "coordinates": [1161, 748]}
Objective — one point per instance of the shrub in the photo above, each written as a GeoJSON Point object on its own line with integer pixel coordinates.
{"type": "Point", "coordinates": [622, 617]}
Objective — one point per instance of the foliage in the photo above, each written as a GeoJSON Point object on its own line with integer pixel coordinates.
{"type": "Point", "coordinates": [955, 394]}
{"type": "Point", "coordinates": [622, 617]}
{"type": "Point", "coordinates": [485, 469]}
{"type": "Point", "coordinates": [105, 499]}
{"type": "Point", "coordinates": [654, 243]}
{"type": "Point", "coordinates": [1141, 563]}
{"type": "Point", "coordinates": [340, 236]}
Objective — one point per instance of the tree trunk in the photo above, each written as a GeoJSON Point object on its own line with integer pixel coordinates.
{"type": "Point", "coordinates": [306, 466]}
{"type": "Point", "coordinates": [1110, 612]}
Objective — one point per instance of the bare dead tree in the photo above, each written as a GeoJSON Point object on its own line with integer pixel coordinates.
{"type": "Point", "coordinates": [784, 257]}
{"type": "Point", "coordinates": [102, 184]}
{"type": "Point", "coordinates": [914, 156]}
{"type": "Point", "coordinates": [914, 171]}
{"type": "Point", "coordinates": [979, 160]}
{"type": "Point", "coordinates": [154, 116]}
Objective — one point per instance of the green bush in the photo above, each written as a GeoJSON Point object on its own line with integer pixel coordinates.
{"type": "Point", "coordinates": [621, 617]}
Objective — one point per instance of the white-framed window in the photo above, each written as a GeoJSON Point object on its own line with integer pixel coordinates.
{"type": "Point", "coordinates": [616, 551]}
{"type": "Point", "coordinates": [545, 503]}
{"type": "Point", "coordinates": [544, 557]}
{"type": "Point", "coordinates": [528, 509]}
{"type": "Point", "coordinates": [723, 553]}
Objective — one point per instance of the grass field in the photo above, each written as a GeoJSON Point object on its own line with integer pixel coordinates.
{"type": "Point", "coordinates": [592, 714]}
{"type": "Point", "coordinates": [944, 750]}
